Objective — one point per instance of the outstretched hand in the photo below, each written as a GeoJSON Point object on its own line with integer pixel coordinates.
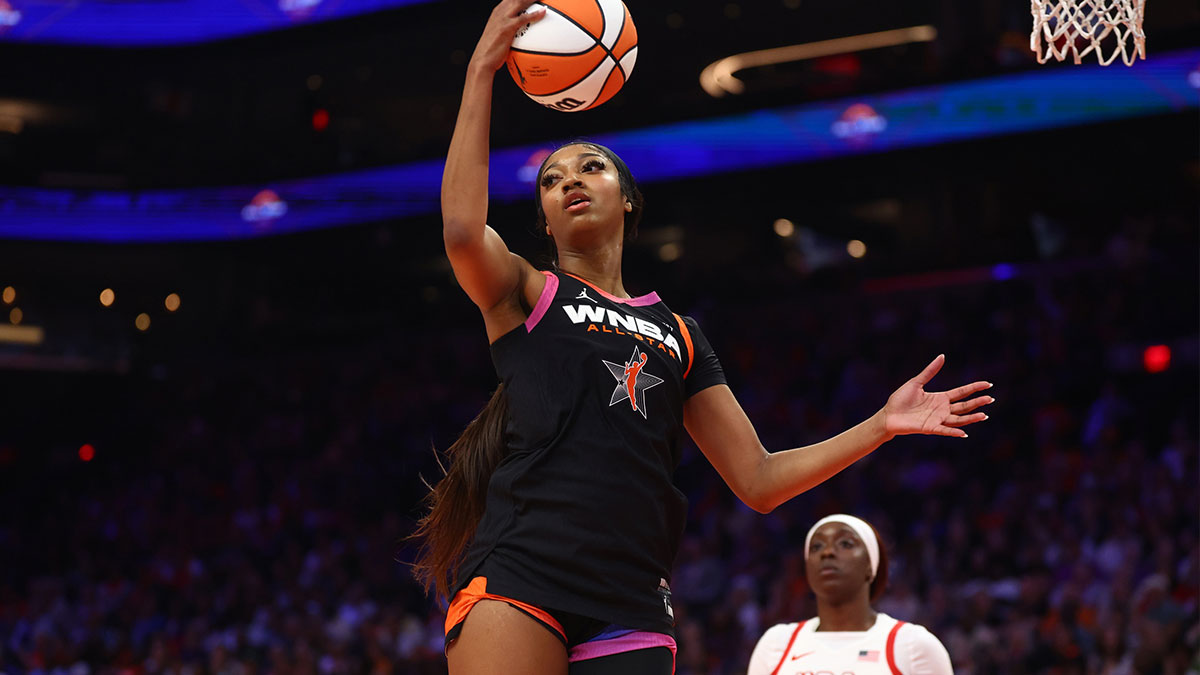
{"type": "Point", "coordinates": [912, 410]}
{"type": "Point", "coordinates": [507, 18]}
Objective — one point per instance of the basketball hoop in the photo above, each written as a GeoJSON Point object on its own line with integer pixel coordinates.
{"type": "Point", "coordinates": [1110, 28]}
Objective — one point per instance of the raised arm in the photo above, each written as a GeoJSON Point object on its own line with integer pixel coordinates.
{"type": "Point", "coordinates": [765, 480]}
{"type": "Point", "coordinates": [494, 278]}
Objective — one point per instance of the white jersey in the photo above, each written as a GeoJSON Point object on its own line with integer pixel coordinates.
{"type": "Point", "coordinates": [890, 647]}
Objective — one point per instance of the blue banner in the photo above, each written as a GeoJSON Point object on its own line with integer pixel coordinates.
{"type": "Point", "coordinates": [146, 23]}
{"type": "Point", "coordinates": [1039, 99]}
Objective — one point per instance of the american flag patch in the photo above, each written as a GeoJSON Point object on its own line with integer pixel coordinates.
{"type": "Point", "coordinates": [872, 655]}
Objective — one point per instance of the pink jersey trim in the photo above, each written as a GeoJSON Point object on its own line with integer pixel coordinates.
{"type": "Point", "coordinates": [642, 639]}
{"type": "Point", "coordinates": [640, 301]}
{"type": "Point", "coordinates": [543, 303]}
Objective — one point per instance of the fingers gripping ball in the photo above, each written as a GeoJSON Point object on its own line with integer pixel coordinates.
{"type": "Point", "coordinates": [577, 56]}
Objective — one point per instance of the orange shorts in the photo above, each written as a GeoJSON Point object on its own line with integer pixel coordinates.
{"type": "Point", "coordinates": [584, 638]}
{"type": "Point", "coordinates": [472, 593]}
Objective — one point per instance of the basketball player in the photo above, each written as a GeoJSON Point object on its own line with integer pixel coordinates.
{"type": "Point", "coordinates": [554, 531]}
{"type": "Point", "coordinates": [846, 566]}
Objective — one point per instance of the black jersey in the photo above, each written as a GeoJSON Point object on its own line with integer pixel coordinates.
{"type": "Point", "coordinates": [582, 515]}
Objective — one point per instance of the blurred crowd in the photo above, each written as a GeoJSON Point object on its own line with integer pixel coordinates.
{"type": "Point", "coordinates": [248, 514]}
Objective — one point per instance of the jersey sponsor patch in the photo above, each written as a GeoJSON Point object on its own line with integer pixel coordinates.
{"type": "Point", "coordinates": [632, 381]}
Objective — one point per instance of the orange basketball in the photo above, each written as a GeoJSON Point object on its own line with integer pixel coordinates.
{"type": "Point", "coordinates": [577, 56]}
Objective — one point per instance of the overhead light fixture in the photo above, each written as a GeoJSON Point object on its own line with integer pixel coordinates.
{"type": "Point", "coordinates": [718, 80]}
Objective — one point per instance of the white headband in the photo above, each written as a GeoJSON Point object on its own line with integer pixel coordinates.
{"type": "Point", "coordinates": [860, 527]}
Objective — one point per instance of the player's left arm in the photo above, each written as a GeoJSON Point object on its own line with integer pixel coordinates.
{"type": "Point", "coordinates": [719, 426]}
{"type": "Point", "coordinates": [925, 654]}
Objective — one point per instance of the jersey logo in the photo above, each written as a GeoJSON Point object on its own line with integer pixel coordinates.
{"type": "Point", "coordinates": [584, 296]}
{"type": "Point", "coordinates": [632, 383]}
{"type": "Point", "coordinates": [602, 320]}
{"type": "Point", "coordinates": [800, 656]}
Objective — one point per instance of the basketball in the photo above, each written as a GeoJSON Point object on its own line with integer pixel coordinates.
{"type": "Point", "coordinates": [577, 56]}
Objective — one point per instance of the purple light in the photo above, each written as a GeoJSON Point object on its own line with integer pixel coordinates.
{"type": "Point", "coordinates": [1003, 272]}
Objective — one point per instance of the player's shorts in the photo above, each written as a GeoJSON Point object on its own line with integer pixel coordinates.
{"type": "Point", "coordinates": [585, 638]}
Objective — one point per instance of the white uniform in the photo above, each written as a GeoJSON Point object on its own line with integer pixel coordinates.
{"type": "Point", "coordinates": [890, 647]}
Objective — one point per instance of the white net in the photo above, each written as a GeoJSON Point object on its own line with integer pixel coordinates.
{"type": "Point", "coordinates": [1110, 28]}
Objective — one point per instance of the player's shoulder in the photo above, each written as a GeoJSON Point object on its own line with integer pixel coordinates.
{"type": "Point", "coordinates": [909, 635]}
{"type": "Point", "coordinates": [783, 628]}
{"type": "Point", "coordinates": [918, 650]}
{"type": "Point", "coordinates": [771, 647]}
{"type": "Point", "coordinates": [915, 632]}
{"type": "Point", "coordinates": [779, 634]}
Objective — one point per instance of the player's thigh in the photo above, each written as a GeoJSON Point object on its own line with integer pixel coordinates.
{"type": "Point", "coordinates": [499, 639]}
{"type": "Point", "coordinates": [653, 661]}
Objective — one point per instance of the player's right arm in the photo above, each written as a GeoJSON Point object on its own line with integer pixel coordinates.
{"type": "Point", "coordinates": [495, 279]}
{"type": "Point", "coordinates": [769, 650]}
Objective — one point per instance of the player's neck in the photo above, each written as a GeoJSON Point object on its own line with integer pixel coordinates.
{"type": "Point", "coordinates": [602, 270]}
{"type": "Point", "coordinates": [853, 615]}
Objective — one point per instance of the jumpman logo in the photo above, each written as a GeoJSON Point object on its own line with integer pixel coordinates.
{"type": "Point", "coordinates": [584, 296]}
{"type": "Point", "coordinates": [632, 382]}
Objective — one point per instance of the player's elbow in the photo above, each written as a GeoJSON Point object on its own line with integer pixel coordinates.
{"type": "Point", "coordinates": [756, 492]}
{"type": "Point", "coordinates": [753, 496]}
{"type": "Point", "coordinates": [763, 506]}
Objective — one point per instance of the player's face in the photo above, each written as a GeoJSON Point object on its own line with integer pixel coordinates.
{"type": "Point", "coordinates": [581, 197]}
{"type": "Point", "coordinates": [837, 563]}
